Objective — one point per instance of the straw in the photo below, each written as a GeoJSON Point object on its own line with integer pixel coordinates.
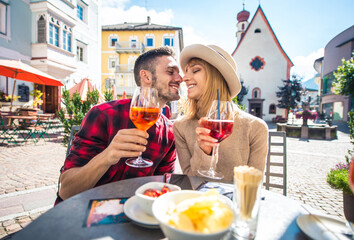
{"type": "Point", "coordinates": [217, 92]}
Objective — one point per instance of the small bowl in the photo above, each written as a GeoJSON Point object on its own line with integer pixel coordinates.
{"type": "Point", "coordinates": [145, 202]}
{"type": "Point", "coordinates": [170, 200]}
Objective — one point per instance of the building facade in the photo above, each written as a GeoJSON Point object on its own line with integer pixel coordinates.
{"type": "Point", "coordinates": [59, 37]}
{"type": "Point", "coordinates": [123, 43]}
{"type": "Point", "coordinates": [15, 42]}
{"type": "Point", "coordinates": [262, 64]}
{"type": "Point", "coordinates": [341, 46]}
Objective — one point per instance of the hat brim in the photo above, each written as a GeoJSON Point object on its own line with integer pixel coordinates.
{"type": "Point", "coordinates": [216, 59]}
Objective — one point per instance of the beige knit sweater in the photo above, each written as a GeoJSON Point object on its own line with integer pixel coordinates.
{"type": "Point", "coordinates": [247, 145]}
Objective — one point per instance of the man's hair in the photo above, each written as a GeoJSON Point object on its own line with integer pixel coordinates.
{"type": "Point", "coordinates": [146, 61]}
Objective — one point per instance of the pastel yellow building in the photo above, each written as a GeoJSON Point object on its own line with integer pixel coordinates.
{"type": "Point", "coordinates": [123, 43]}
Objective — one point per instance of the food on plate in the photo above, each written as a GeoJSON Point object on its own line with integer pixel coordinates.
{"type": "Point", "coordinates": [203, 214]}
{"type": "Point", "coordinates": [155, 192]}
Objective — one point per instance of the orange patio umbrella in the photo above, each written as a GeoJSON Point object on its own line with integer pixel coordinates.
{"type": "Point", "coordinates": [21, 71]}
{"type": "Point", "coordinates": [82, 88]}
{"type": "Point", "coordinates": [124, 96]}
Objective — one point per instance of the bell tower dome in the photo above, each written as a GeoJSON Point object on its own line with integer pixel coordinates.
{"type": "Point", "coordinates": [242, 23]}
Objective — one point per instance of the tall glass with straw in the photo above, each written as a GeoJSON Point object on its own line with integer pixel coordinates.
{"type": "Point", "coordinates": [220, 121]}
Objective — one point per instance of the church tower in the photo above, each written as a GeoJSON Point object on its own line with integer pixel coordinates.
{"type": "Point", "coordinates": [242, 23]}
{"type": "Point", "coordinates": [261, 63]}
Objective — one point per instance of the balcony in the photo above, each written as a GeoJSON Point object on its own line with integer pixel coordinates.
{"type": "Point", "coordinates": [128, 90]}
{"type": "Point", "coordinates": [129, 47]}
{"type": "Point", "coordinates": [124, 68]}
{"type": "Point", "coordinates": [53, 60]}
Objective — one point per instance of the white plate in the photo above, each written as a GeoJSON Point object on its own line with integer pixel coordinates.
{"type": "Point", "coordinates": [321, 227]}
{"type": "Point", "coordinates": [133, 211]}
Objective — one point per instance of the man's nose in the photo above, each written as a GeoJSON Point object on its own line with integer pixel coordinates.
{"type": "Point", "coordinates": [179, 78]}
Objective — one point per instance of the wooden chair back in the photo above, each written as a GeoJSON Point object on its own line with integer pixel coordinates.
{"type": "Point", "coordinates": [275, 173]}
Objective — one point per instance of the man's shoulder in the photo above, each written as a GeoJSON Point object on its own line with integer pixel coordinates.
{"type": "Point", "coordinates": [122, 103]}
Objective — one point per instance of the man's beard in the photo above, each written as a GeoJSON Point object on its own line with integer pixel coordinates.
{"type": "Point", "coordinates": [166, 96]}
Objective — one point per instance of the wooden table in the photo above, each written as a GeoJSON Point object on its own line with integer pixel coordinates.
{"type": "Point", "coordinates": [277, 219]}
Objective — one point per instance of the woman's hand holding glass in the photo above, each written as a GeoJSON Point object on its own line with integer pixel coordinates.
{"type": "Point", "coordinates": [205, 141]}
{"type": "Point", "coordinates": [219, 121]}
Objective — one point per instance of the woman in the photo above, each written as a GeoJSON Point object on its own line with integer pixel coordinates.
{"type": "Point", "coordinates": [206, 69]}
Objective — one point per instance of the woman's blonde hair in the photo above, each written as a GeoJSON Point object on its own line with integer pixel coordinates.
{"type": "Point", "coordinates": [198, 108]}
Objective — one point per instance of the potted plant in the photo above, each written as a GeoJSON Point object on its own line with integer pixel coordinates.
{"type": "Point", "coordinates": [2, 96]}
{"type": "Point", "coordinates": [305, 115]}
{"type": "Point", "coordinates": [37, 101]}
{"type": "Point", "coordinates": [342, 176]}
{"type": "Point", "coordinates": [338, 178]}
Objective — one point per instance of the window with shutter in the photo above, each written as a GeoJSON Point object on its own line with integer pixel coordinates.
{"type": "Point", "coordinates": [41, 24]}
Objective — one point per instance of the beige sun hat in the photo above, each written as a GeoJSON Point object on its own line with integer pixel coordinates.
{"type": "Point", "coordinates": [218, 58]}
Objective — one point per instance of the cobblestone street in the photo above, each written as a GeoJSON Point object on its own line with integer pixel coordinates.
{"type": "Point", "coordinates": [29, 175]}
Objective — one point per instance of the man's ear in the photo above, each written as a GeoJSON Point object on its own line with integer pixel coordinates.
{"type": "Point", "coordinates": [146, 78]}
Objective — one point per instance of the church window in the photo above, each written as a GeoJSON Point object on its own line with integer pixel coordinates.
{"type": "Point", "coordinates": [271, 108]}
{"type": "Point", "coordinates": [257, 63]}
{"type": "Point", "coordinates": [256, 93]}
{"type": "Point", "coordinates": [243, 26]}
{"type": "Point", "coordinates": [257, 30]}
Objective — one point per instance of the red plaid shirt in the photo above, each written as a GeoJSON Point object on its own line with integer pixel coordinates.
{"type": "Point", "coordinates": [99, 127]}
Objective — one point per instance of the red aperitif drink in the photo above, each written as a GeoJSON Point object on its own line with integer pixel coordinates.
{"type": "Point", "coordinates": [219, 129]}
{"type": "Point", "coordinates": [144, 118]}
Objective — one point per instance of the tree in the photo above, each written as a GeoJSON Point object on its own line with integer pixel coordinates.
{"type": "Point", "coordinates": [290, 93]}
{"type": "Point", "coordinates": [344, 78]}
{"type": "Point", "coordinates": [108, 95]}
{"type": "Point", "coordinates": [242, 93]}
{"type": "Point", "coordinates": [240, 106]}
{"type": "Point", "coordinates": [75, 109]}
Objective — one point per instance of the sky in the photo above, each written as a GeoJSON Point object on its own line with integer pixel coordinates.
{"type": "Point", "coordinates": [303, 27]}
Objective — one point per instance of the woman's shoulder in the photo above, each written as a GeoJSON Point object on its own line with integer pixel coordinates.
{"type": "Point", "coordinates": [183, 122]}
{"type": "Point", "coordinates": [250, 119]}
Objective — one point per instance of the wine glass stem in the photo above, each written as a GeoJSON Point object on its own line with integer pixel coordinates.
{"type": "Point", "coordinates": [139, 159]}
{"type": "Point", "coordinates": [214, 160]}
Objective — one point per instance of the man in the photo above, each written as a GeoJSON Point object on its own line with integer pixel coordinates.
{"type": "Point", "coordinates": [108, 137]}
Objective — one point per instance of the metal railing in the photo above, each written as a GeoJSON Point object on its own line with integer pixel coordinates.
{"type": "Point", "coordinates": [124, 68]}
{"type": "Point", "coordinates": [130, 46]}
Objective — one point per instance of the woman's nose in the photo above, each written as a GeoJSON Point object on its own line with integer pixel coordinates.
{"type": "Point", "coordinates": [185, 78]}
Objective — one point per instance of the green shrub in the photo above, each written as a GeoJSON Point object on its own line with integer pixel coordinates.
{"type": "Point", "coordinates": [108, 95]}
{"type": "Point", "coordinates": [337, 178]}
{"type": "Point", "coordinates": [75, 110]}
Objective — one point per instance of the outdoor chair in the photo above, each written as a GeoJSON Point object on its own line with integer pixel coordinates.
{"type": "Point", "coordinates": [275, 173]}
{"type": "Point", "coordinates": [74, 129]}
{"type": "Point", "coordinates": [42, 128]}
{"type": "Point", "coordinates": [6, 132]}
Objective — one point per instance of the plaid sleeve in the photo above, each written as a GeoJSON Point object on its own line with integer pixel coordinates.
{"type": "Point", "coordinates": [89, 141]}
{"type": "Point", "coordinates": [167, 165]}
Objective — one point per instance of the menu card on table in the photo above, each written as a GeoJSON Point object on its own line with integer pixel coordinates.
{"type": "Point", "coordinates": [105, 211]}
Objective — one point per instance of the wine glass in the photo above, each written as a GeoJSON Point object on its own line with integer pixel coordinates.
{"type": "Point", "coordinates": [220, 121]}
{"type": "Point", "coordinates": [144, 112]}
